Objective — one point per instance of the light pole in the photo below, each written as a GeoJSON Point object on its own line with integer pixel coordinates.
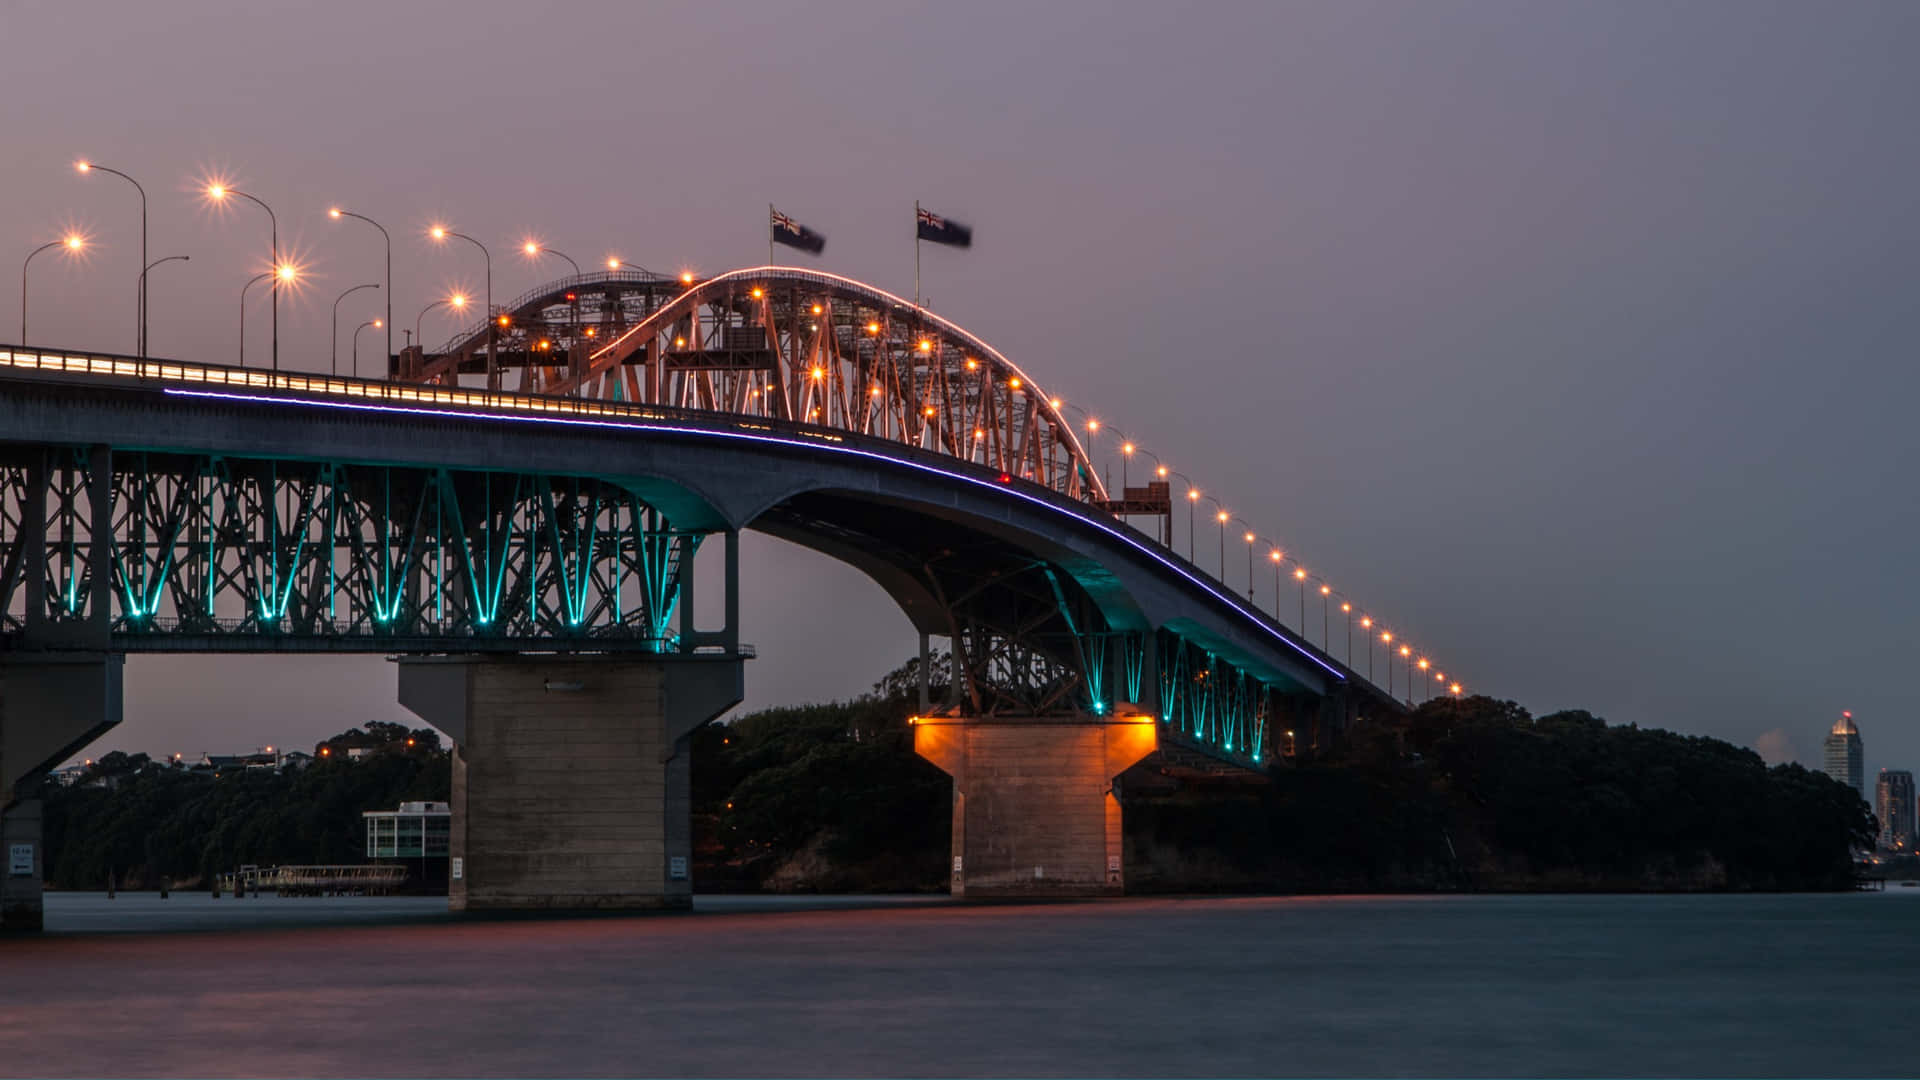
{"type": "Point", "coordinates": [143, 291]}
{"type": "Point", "coordinates": [333, 350]}
{"type": "Point", "coordinates": [1347, 607]}
{"type": "Point", "coordinates": [1221, 517]}
{"type": "Point", "coordinates": [243, 313]}
{"type": "Point", "coordinates": [73, 242]}
{"type": "Point", "coordinates": [1326, 602]}
{"type": "Point", "coordinates": [1366, 623]}
{"type": "Point", "coordinates": [1193, 496]}
{"type": "Point", "coordinates": [440, 233]}
{"type": "Point", "coordinates": [219, 193]}
{"type": "Point", "coordinates": [1250, 539]}
{"type": "Point", "coordinates": [615, 262]}
{"type": "Point", "coordinates": [1386, 638]}
{"type": "Point", "coordinates": [1300, 575]}
{"type": "Point", "coordinates": [336, 213]}
{"type": "Point", "coordinates": [376, 324]}
{"type": "Point", "coordinates": [1404, 653]}
{"type": "Point", "coordinates": [1278, 557]}
{"type": "Point", "coordinates": [533, 249]}
{"type": "Point", "coordinates": [456, 301]}
{"type": "Point", "coordinates": [83, 167]}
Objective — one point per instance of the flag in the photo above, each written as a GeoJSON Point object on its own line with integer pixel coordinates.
{"type": "Point", "coordinates": [793, 234]}
{"type": "Point", "coordinates": [939, 230]}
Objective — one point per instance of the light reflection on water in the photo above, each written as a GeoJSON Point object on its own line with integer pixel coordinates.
{"type": "Point", "coordinates": [1457, 985]}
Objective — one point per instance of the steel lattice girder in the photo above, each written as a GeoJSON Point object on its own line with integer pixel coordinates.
{"type": "Point", "coordinates": [227, 548]}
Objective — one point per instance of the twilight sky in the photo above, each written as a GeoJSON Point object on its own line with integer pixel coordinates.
{"type": "Point", "coordinates": [1578, 340]}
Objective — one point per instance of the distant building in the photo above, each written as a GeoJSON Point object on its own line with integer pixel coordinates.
{"type": "Point", "coordinates": [416, 830]}
{"type": "Point", "coordinates": [1895, 807]}
{"type": "Point", "coordinates": [1843, 755]}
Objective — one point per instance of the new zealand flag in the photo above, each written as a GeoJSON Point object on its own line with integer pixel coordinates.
{"type": "Point", "coordinates": [793, 234]}
{"type": "Point", "coordinates": [939, 230]}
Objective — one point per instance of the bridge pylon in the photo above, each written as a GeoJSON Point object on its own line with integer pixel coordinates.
{"type": "Point", "coordinates": [1034, 809]}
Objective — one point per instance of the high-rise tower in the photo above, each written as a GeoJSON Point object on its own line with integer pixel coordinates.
{"type": "Point", "coordinates": [1843, 755]}
{"type": "Point", "coordinates": [1895, 808]}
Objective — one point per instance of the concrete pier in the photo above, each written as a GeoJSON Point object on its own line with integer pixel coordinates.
{"type": "Point", "coordinates": [1034, 812]}
{"type": "Point", "coordinates": [51, 705]}
{"type": "Point", "coordinates": [571, 786]}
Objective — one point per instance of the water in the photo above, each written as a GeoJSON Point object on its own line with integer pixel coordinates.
{"type": "Point", "coordinates": [1455, 985]}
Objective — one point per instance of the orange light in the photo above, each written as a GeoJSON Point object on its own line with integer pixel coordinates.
{"type": "Point", "coordinates": [1275, 555]}
{"type": "Point", "coordinates": [873, 328]}
{"type": "Point", "coordinates": [1348, 608]}
{"type": "Point", "coordinates": [928, 410]}
{"type": "Point", "coordinates": [1386, 635]}
{"type": "Point", "coordinates": [978, 434]}
{"type": "Point", "coordinates": [545, 344]}
{"type": "Point", "coordinates": [927, 346]}
{"type": "Point", "coordinates": [216, 192]}
{"type": "Point", "coordinates": [1300, 574]}
{"type": "Point", "coordinates": [819, 373]}
{"type": "Point", "coordinates": [83, 165]}
{"type": "Point", "coordinates": [1404, 651]}
{"type": "Point", "coordinates": [457, 300]}
{"type": "Point", "coordinates": [1162, 470]}
{"type": "Point", "coordinates": [1222, 517]}
{"type": "Point", "coordinates": [287, 272]}
{"type": "Point", "coordinates": [679, 342]}
{"type": "Point", "coordinates": [589, 331]}
{"type": "Point", "coordinates": [972, 364]}
{"type": "Point", "coordinates": [333, 212]}
{"type": "Point", "coordinates": [1055, 403]}
{"type": "Point", "coordinates": [816, 309]}
{"type": "Point", "coordinates": [686, 277]}
{"type": "Point", "coordinates": [1366, 622]}
{"type": "Point", "coordinates": [1423, 663]}
{"type": "Point", "coordinates": [1455, 688]}
{"type": "Point", "coordinates": [1249, 538]}
{"type": "Point", "coordinates": [613, 263]}
{"type": "Point", "coordinates": [758, 292]}
{"type": "Point", "coordinates": [1326, 590]}
{"type": "Point", "coordinates": [1014, 384]}
{"type": "Point", "coordinates": [503, 320]}
{"type": "Point", "coordinates": [1193, 494]}
{"type": "Point", "coordinates": [530, 248]}
{"type": "Point", "coordinates": [378, 323]}
{"type": "Point", "coordinates": [1127, 449]}
{"type": "Point", "coordinates": [75, 241]}
{"type": "Point", "coordinates": [873, 391]}
{"type": "Point", "coordinates": [1092, 424]}
{"type": "Point", "coordinates": [437, 232]}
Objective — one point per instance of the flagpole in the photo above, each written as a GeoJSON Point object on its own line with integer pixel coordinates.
{"type": "Point", "coordinates": [916, 253]}
{"type": "Point", "coordinates": [769, 234]}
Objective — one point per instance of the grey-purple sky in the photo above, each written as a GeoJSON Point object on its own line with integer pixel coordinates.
{"type": "Point", "coordinates": [1577, 340]}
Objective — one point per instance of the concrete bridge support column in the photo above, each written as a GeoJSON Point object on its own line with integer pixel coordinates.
{"type": "Point", "coordinates": [1034, 812]}
{"type": "Point", "coordinates": [51, 705]}
{"type": "Point", "coordinates": [571, 786]}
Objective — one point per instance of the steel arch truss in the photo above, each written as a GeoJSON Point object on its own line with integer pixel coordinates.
{"type": "Point", "coordinates": [230, 553]}
{"type": "Point", "coordinates": [784, 344]}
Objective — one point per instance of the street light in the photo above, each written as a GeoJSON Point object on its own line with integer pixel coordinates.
{"type": "Point", "coordinates": [1347, 607]}
{"type": "Point", "coordinates": [1326, 594]}
{"type": "Point", "coordinates": [1300, 575]}
{"type": "Point", "coordinates": [376, 324]}
{"type": "Point", "coordinates": [1277, 556]}
{"type": "Point", "coordinates": [533, 249]}
{"type": "Point", "coordinates": [440, 233]}
{"type": "Point", "coordinates": [333, 350]}
{"type": "Point", "coordinates": [337, 213]}
{"type": "Point", "coordinates": [218, 193]}
{"type": "Point", "coordinates": [148, 270]}
{"type": "Point", "coordinates": [615, 262]}
{"type": "Point", "coordinates": [1366, 623]}
{"type": "Point", "coordinates": [457, 301]}
{"type": "Point", "coordinates": [1250, 539]}
{"type": "Point", "coordinates": [1221, 517]}
{"type": "Point", "coordinates": [1193, 496]}
{"type": "Point", "coordinates": [243, 312]}
{"type": "Point", "coordinates": [84, 167]}
{"type": "Point", "coordinates": [73, 242]}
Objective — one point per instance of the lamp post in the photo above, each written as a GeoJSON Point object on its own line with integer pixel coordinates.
{"type": "Point", "coordinates": [376, 324]}
{"type": "Point", "coordinates": [533, 249]}
{"type": "Point", "coordinates": [148, 269]}
{"type": "Point", "coordinates": [73, 242]}
{"type": "Point", "coordinates": [1326, 602]}
{"type": "Point", "coordinates": [1300, 575]}
{"type": "Point", "coordinates": [1366, 623]}
{"type": "Point", "coordinates": [440, 233]}
{"type": "Point", "coordinates": [243, 313]}
{"type": "Point", "coordinates": [219, 193]}
{"type": "Point", "coordinates": [1347, 607]}
{"type": "Point", "coordinates": [336, 213]}
{"type": "Point", "coordinates": [1250, 539]}
{"type": "Point", "coordinates": [1221, 517]}
{"type": "Point", "coordinates": [1193, 496]}
{"type": "Point", "coordinates": [333, 350]}
{"type": "Point", "coordinates": [1278, 557]}
{"type": "Point", "coordinates": [456, 301]}
{"type": "Point", "coordinates": [615, 262]}
{"type": "Point", "coordinates": [83, 167]}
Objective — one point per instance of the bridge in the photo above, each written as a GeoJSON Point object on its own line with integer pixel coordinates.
{"type": "Point", "coordinates": [526, 551]}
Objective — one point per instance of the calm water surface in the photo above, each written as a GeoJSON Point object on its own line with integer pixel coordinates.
{"type": "Point", "coordinates": [1458, 985]}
